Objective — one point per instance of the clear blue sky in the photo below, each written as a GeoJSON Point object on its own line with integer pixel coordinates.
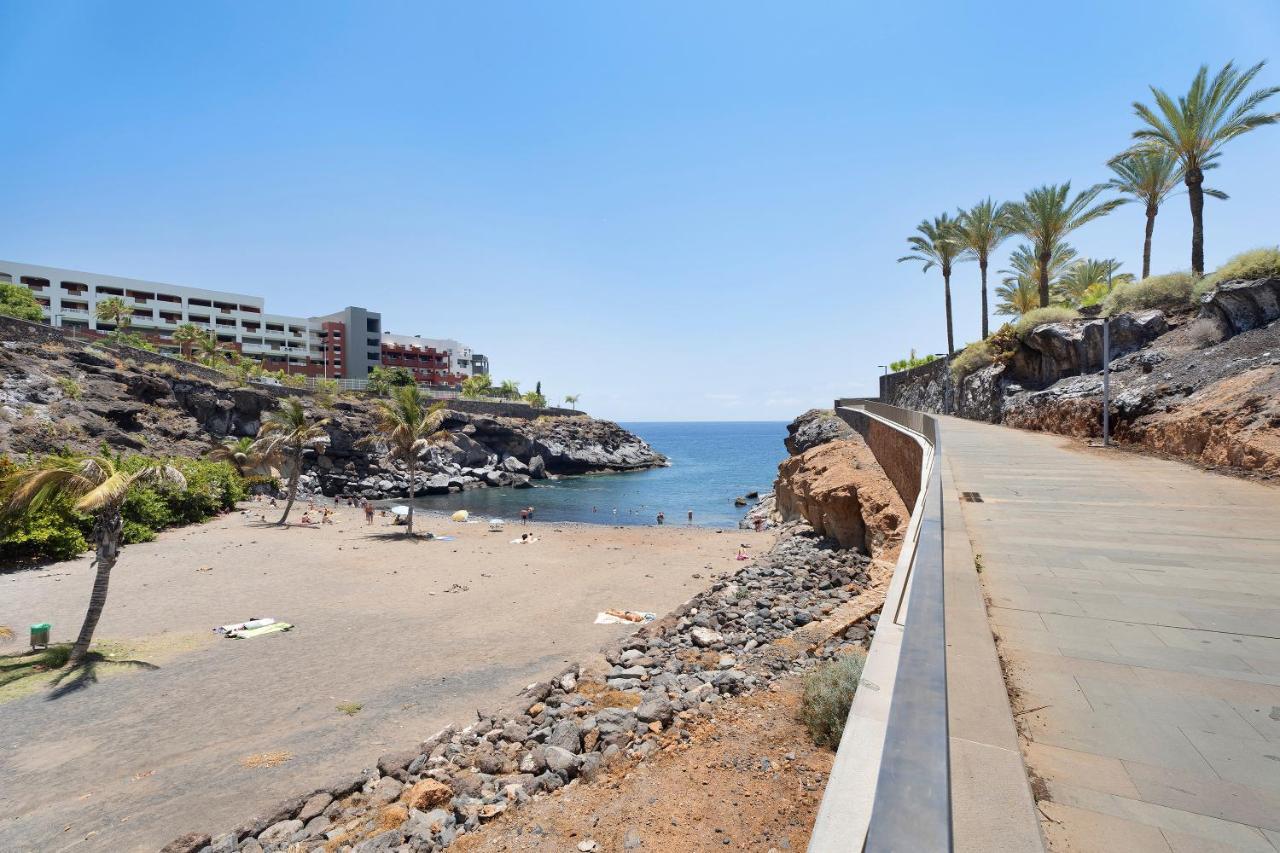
{"type": "Point", "coordinates": [677, 210]}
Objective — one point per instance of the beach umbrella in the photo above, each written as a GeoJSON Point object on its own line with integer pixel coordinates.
{"type": "Point", "coordinates": [460, 515]}
{"type": "Point", "coordinates": [399, 510]}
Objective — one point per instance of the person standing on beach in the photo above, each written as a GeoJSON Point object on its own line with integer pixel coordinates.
{"type": "Point", "coordinates": [691, 516]}
{"type": "Point", "coordinates": [368, 512]}
{"type": "Point", "coordinates": [661, 518]}
{"type": "Point", "coordinates": [524, 516]}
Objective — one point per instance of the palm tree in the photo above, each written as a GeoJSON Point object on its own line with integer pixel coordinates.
{"type": "Point", "coordinates": [571, 400]}
{"type": "Point", "coordinates": [186, 336]}
{"type": "Point", "coordinates": [1023, 278]}
{"type": "Point", "coordinates": [938, 245]}
{"type": "Point", "coordinates": [983, 228]}
{"type": "Point", "coordinates": [1195, 127]}
{"type": "Point", "coordinates": [209, 349]}
{"type": "Point", "coordinates": [509, 389]}
{"type": "Point", "coordinates": [1047, 214]}
{"type": "Point", "coordinates": [115, 311]}
{"type": "Point", "coordinates": [1088, 281]}
{"type": "Point", "coordinates": [285, 434]}
{"type": "Point", "coordinates": [407, 426]}
{"type": "Point", "coordinates": [98, 485]}
{"type": "Point", "coordinates": [240, 452]}
{"type": "Point", "coordinates": [474, 387]}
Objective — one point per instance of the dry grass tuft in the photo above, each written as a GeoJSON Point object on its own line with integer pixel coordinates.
{"type": "Point", "coordinates": [266, 759]}
{"type": "Point", "coordinates": [603, 697]}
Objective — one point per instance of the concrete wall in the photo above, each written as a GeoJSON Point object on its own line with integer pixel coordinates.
{"type": "Point", "coordinates": [899, 455]}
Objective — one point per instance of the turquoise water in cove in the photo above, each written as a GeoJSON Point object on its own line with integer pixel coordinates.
{"type": "Point", "coordinates": [711, 464]}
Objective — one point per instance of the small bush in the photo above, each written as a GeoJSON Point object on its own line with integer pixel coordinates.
{"type": "Point", "coordinates": [971, 359]}
{"type": "Point", "coordinates": [1246, 266]}
{"type": "Point", "coordinates": [69, 387]}
{"type": "Point", "coordinates": [911, 361]}
{"type": "Point", "coordinates": [1039, 316]}
{"type": "Point", "coordinates": [1172, 290]}
{"type": "Point", "coordinates": [828, 693]}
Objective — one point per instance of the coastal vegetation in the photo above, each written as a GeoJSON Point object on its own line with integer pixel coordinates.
{"type": "Point", "coordinates": [911, 361]}
{"type": "Point", "coordinates": [828, 694]}
{"type": "Point", "coordinates": [1180, 138]}
{"type": "Point", "coordinates": [98, 487]}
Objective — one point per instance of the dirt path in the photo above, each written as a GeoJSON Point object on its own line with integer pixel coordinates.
{"type": "Point", "coordinates": [748, 779]}
{"type": "Point", "coordinates": [132, 760]}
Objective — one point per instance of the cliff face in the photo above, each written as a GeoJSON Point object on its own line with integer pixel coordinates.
{"type": "Point", "coordinates": [833, 482]}
{"type": "Point", "coordinates": [67, 397]}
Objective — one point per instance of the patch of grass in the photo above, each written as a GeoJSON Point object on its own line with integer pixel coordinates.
{"type": "Point", "coordinates": [69, 387]}
{"type": "Point", "coordinates": [1039, 316]}
{"type": "Point", "coordinates": [828, 693]}
{"type": "Point", "coordinates": [1172, 290]}
{"type": "Point", "coordinates": [971, 359]}
{"type": "Point", "coordinates": [1246, 266]}
{"type": "Point", "coordinates": [350, 708]}
{"type": "Point", "coordinates": [603, 697]}
{"type": "Point", "coordinates": [274, 758]}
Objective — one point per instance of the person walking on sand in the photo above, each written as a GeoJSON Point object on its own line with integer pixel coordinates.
{"type": "Point", "coordinates": [368, 512]}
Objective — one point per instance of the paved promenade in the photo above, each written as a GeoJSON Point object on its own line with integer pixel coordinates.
{"type": "Point", "coordinates": [1137, 604]}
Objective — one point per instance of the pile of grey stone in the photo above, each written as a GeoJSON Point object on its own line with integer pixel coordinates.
{"type": "Point", "coordinates": [568, 728]}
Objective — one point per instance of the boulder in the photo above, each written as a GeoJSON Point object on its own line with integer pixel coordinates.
{"type": "Point", "coordinates": [512, 465]}
{"type": "Point", "coordinates": [280, 832]}
{"type": "Point", "coordinates": [1238, 306]}
{"type": "Point", "coordinates": [427, 795]}
{"type": "Point", "coordinates": [561, 761]}
{"type": "Point", "coordinates": [814, 427]}
{"type": "Point", "coordinates": [189, 843]}
{"type": "Point", "coordinates": [655, 710]}
{"type": "Point", "coordinates": [704, 637]}
{"type": "Point", "coordinates": [537, 468]}
{"type": "Point", "coordinates": [1056, 350]}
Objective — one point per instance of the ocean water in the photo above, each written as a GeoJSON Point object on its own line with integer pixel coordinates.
{"type": "Point", "coordinates": [711, 464]}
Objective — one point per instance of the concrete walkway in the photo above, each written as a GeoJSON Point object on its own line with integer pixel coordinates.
{"type": "Point", "coordinates": [1137, 606]}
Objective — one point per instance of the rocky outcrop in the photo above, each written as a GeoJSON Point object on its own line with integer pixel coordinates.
{"type": "Point", "coordinates": [842, 492]}
{"type": "Point", "coordinates": [1239, 306]}
{"type": "Point", "coordinates": [814, 427]}
{"type": "Point", "coordinates": [1055, 350]}
{"type": "Point", "coordinates": [55, 396]}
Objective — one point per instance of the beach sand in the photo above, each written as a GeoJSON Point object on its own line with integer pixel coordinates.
{"type": "Point", "coordinates": [418, 634]}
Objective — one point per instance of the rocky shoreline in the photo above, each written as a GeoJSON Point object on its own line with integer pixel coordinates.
{"type": "Point", "coordinates": [805, 600]}
{"type": "Point", "coordinates": [57, 397]}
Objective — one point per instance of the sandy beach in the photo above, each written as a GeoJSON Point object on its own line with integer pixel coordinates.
{"type": "Point", "coordinates": [417, 634]}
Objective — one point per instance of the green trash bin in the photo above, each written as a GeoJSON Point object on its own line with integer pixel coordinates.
{"type": "Point", "coordinates": [40, 635]}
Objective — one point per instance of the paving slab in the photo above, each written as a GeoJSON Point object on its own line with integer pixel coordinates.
{"type": "Point", "coordinates": [1135, 601]}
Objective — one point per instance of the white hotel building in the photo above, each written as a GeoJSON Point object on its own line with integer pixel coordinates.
{"type": "Point", "coordinates": [344, 345]}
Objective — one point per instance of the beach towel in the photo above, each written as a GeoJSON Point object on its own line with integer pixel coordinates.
{"type": "Point", "coordinates": [624, 617]}
{"type": "Point", "coordinates": [249, 633]}
{"type": "Point", "coordinates": [240, 626]}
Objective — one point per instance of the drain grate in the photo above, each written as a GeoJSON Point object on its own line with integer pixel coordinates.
{"type": "Point", "coordinates": [971, 497]}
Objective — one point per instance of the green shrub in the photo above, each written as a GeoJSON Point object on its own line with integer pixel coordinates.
{"type": "Point", "coordinates": [1039, 316]}
{"type": "Point", "coordinates": [54, 532]}
{"type": "Point", "coordinates": [18, 301]}
{"type": "Point", "coordinates": [69, 387]}
{"type": "Point", "coordinates": [1172, 290]}
{"type": "Point", "coordinates": [828, 693]}
{"type": "Point", "coordinates": [1246, 266]}
{"type": "Point", "coordinates": [911, 361]}
{"type": "Point", "coordinates": [132, 533]}
{"type": "Point", "coordinates": [971, 359]}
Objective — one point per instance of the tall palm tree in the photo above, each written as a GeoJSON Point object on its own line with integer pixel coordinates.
{"type": "Point", "coordinates": [98, 486]}
{"type": "Point", "coordinates": [407, 426]}
{"type": "Point", "coordinates": [115, 311]}
{"type": "Point", "coordinates": [1149, 174]}
{"type": "Point", "coordinates": [477, 386]}
{"type": "Point", "coordinates": [1023, 277]}
{"type": "Point", "coordinates": [1047, 214]}
{"type": "Point", "coordinates": [1088, 280]}
{"type": "Point", "coordinates": [186, 336]}
{"type": "Point", "coordinates": [983, 228]}
{"type": "Point", "coordinates": [240, 452]}
{"type": "Point", "coordinates": [284, 435]}
{"type": "Point", "coordinates": [571, 400]}
{"type": "Point", "coordinates": [938, 245]}
{"type": "Point", "coordinates": [1196, 126]}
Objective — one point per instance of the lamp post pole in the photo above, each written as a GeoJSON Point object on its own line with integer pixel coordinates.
{"type": "Point", "coordinates": [1106, 370]}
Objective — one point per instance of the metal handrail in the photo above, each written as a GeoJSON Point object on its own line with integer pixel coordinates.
{"type": "Point", "coordinates": [910, 807]}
